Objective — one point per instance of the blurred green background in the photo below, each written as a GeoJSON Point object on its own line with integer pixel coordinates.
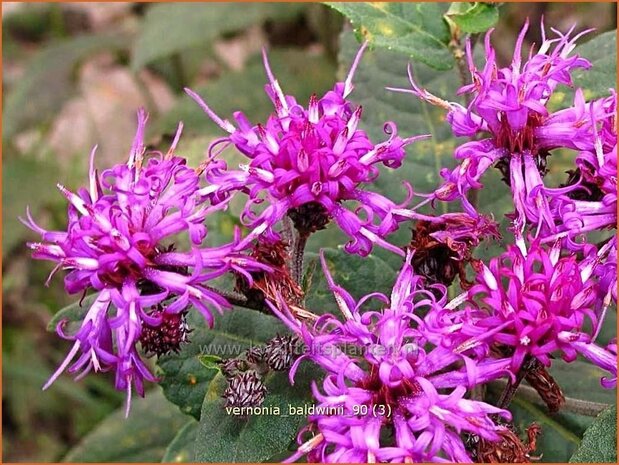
{"type": "Point", "coordinates": [74, 74]}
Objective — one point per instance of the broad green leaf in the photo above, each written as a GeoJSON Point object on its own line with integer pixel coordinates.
{"type": "Point", "coordinates": [599, 443]}
{"type": "Point", "coordinates": [225, 437]}
{"type": "Point", "coordinates": [172, 28]}
{"type": "Point", "coordinates": [415, 29]}
{"type": "Point", "coordinates": [359, 276]}
{"type": "Point", "coordinates": [601, 51]}
{"type": "Point", "coordinates": [37, 175]}
{"type": "Point", "coordinates": [182, 447]}
{"type": "Point", "coordinates": [586, 385]}
{"type": "Point", "coordinates": [185, 380]}
{"type": "Point", "coordinates": [473, 17]}
{"type": "Point", "coordinates": [142, 437]}
{"type": "Point", "coordinates": [596, 81]}
{"type": "Point", "coordinates": [72, 315]}
{"type": "Point", "coordinates": [379, 69]}
{"type": "Point", "coordinates": [48, 80]}
{"type": "Point", "coordinates": [299, 75]}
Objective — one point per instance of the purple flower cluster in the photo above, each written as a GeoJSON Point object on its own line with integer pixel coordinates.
{"type": "Point", "coordinates": [401, 381]}
{"type": "Point", "coordinates": [539, 297]}
{"type": "Point", "coordinates": [514, 130]}
{"type": "Point", "coordinates": [115, 245]}
{"type": "Point", "coordinates": [405, 369]}
{"type": "Point", "coordinates": [546, 296]}
{"type": "Point", "coordinates": [591, 203]}
{"type": "Point", "coordinates": [400, 370]}
{"type": "Point", "coordinates": [306, 162]}
{"type": "Point", "coordinates": [532, 303]}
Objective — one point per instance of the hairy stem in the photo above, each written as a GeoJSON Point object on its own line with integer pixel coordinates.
{"type": "Point", "coordinates": [463, 68]}
{"type": "Point", "coordinates": [288, 230]}
{"type": "Point", "coordinates": [297, 257]}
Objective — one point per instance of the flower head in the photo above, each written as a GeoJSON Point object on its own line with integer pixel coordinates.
{"type": "Point", "coordinates": [117, 244]}
{"type": "Point", "coordinates": [591, 203]}
{"type": "Point", "coordinates": [391, 393]}
{"type": "Point", "coordinates": [514, 129]}
{"type": "Point", "coordinates": [531, 304]}
{"type": "Point", "coordinates": [306, 162]}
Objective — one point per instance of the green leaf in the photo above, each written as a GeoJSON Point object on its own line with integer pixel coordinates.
{"type": "Point", "coordinates": [358, 275]}
{"type": "Point", "coordinates": [72, 315]}
{"type": "Point", "coordinates": [225, 437]}
{"type": "Point", "coordinates": [48, 80]}
{"type": "Point", "coordinates": [601, 51]}
{"type": "Point", "coordinates": [584, 386]}
{"type": "Point", "coordinates": [172, 28]}
{"type": "Point", "coordinates": [17, 173]}
{"type": "Point", "coordinates": [473, 17]}
{"type": "Point", "coordinates": [415, 29]}
{"type": "Point", "coordinates": [182, 447]}
{"type": "Point", "coordinates": [142, 437]}
{"type": "Point", "coordinates": [599, 443]}
{"type": "Point", "coordinates": [185, 380]}
{"type": "Point", "coordinates": [379, 69]}
{"type": "Point", "coordinates": [210, 361]}
{"type": "Point", "coordinates": [298, 74]}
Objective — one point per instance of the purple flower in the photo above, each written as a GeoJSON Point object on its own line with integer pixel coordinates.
{"type": "Point", "coordinates": [532, 303]}
{"type": "Point", "coordinates": [591, 203]}
{"type": "Point", "coordinates": [305, 163]}
{"type": "Point", "coordinates": [514, 130]}
{"type": "Point", "coordinates": [606, 271]}
{"type": "Point", "coordinates": [116, 243]}
{"type": "Point", "coordinates": [392, 392]}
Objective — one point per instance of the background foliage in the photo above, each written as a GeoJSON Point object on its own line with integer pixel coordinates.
{"type": "Point", "coordinates": [74, 75]}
